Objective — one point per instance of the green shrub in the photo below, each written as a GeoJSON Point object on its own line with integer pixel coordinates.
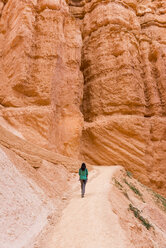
{"type": "Point", "coordinates": [136, 212]}
{"type": "Point", "coordinates": [129, 174]}
{"type": "Point", "coordinates": [133, 188]}
{"type": "Point", "coordinates": [118, 184]}
{"type": "Point", "coordinates": [160, 199]}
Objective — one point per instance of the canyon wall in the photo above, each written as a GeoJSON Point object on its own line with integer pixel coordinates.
{"type": "Point", "coordinates": [124, 104]}
{"type": "Point", "coordinates": [40, 55]}
{"type": "Point", "coordinates": [40, 58]}
{"type": "Point", "coordinates": [87, 79]}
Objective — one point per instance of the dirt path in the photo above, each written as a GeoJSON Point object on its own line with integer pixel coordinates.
{"type": "Point", "coordinates": [90, 222]}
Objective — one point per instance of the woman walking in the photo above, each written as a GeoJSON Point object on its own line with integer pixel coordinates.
{"type": "Point", "coordinates": [83, 173]}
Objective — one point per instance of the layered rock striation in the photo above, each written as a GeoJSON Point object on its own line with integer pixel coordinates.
{"type": "Point", "coordinates": [34, 34]}
{"type": "Point", "coordinates": [78, 78]}
{"type": "Point", "coordinates": [88, 70]}
{"type": "Point", "coordinates": [124, 104]}
{"type": "Point", "coordinates": [124, 58]}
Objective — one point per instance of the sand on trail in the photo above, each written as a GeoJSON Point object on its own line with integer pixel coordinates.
{"type": "Point", "coordinates": [89, 222]}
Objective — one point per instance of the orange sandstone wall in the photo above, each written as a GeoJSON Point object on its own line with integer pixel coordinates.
{"type": "Point", "coordinates": [48, 48]}
{"type": "Point", "coordinates": [124, 104]}
{"type": "Point", "coordinates": [40, 41]}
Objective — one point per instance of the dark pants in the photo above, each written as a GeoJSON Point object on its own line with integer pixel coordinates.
{"type": "Point", "coordinates": [83, 183]}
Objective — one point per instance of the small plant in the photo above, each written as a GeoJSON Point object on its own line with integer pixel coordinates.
{"type": "Point", "coordinates": [136, 212]}
{"type": "Point", "coordinates": [133, 188]}
{"type": "Point", "coordinates": [129, 174]}
{"type": "Point", "coordinates": [118, 184]}
{"type": "Point", "coordinates": [160, 199]}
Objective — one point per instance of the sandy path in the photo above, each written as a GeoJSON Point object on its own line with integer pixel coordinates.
{"type": "Point", "coordinates": [90, 222]}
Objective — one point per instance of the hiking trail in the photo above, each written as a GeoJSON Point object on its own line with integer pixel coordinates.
{"type": "Point", "coordinates": [89, 222]}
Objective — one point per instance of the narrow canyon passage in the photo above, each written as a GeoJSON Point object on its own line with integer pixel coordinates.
{"type": "Point", "coordinates": [90, 222]}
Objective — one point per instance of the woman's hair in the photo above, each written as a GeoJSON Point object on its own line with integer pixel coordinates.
{"type": "Point", "coordinates": [83, 166]}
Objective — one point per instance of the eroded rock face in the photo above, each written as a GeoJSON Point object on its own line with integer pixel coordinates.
{"type": "Point", "coordinates": [123, 59]}
{"type": "Point", "coordinates": [124, 105]}
{"type": "Point", "coordinates": [121, 49]}
{"type": "Point", "coordinates": [32, 35]}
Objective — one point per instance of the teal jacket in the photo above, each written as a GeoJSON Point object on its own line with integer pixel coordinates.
{"type": "Point", "coordinates": [83, 174]}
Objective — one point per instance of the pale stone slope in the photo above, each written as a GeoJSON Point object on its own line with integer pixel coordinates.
{"type": "Point", "coordinates": [24, 206]}
{"type": "Point", "coordinates": [32, 183]}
